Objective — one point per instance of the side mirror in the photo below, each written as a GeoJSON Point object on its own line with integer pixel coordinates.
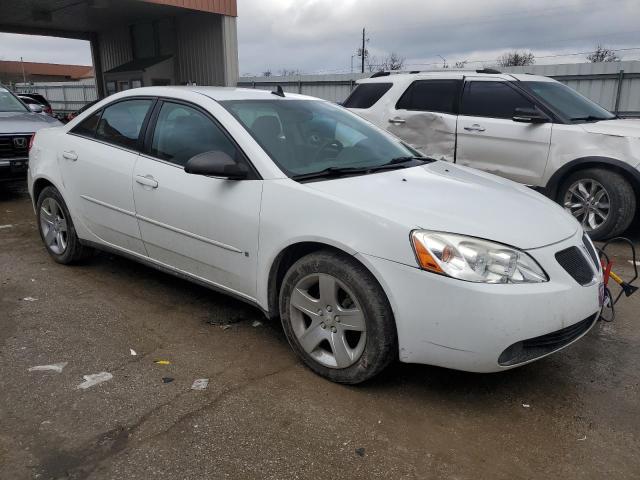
{"type": "Point", "coordinates": [216, 164]}
{"type": "Point", "coordinates": [35, 108]}
{"type": "Point", "coordinates": [529, 115]}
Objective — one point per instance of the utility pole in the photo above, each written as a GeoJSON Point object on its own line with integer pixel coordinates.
{"type": "Point", "coordinates": [24, 77]}
{"type": "Point", "coordinates": [364, 51]}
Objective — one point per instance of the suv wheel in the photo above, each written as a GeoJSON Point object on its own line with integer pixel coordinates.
{"type": "Point", "coordinates": [337, 318]}
{"type": "Point", "coordinates": [602, 201]}
{"type": "Point", "coordinates": [56, 228]}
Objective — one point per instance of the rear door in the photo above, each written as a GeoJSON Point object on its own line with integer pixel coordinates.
{"type": "Point", "coordinates": [206, 227]}
{"type": "Point", "coordinates": [488, 138]}
{"type": "Point", "coordinates": [425, 117]}
{"type": "Point", "coordinates": [97, 161]}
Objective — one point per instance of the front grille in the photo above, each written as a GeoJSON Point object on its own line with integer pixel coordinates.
{"type": "Point", "coordinates": [539, 346]}
{"type": "Point", "coordinates": [9, 149]}
{"type": "Point", "coordinates": [576, 265]}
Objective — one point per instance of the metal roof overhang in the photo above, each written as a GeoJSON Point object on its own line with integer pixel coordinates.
{"type": "Point", "coordinates": [82, 18]}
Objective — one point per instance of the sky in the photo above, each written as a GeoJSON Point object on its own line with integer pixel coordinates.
{"type": "Point", "coordinates": [321, 36]}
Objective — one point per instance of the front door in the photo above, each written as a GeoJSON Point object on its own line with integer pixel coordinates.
{"type": "Point", "coordinates": [488, 138]}
{"type": "Point", "coordinates": [97, 168]}
{"type": "Point", "coordinates": [203, 226]}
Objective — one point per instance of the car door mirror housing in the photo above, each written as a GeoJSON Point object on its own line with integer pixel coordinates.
{"type": "Point", "coordinates": [529, 115]}
{"type": "Point", "coordinates": [35, 108]}
{"type": "Point", "coordinates": [216, 164]}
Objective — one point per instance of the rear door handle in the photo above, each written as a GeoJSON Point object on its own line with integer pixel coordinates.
{"type": "Point", "coordinates": [474, 128]}
{"type": "Point", "coordinates": [73, 156]}
{"type": "Point", "coordinates": [147, 181]}
{"type": "Point", "coordinates": [397, 121]}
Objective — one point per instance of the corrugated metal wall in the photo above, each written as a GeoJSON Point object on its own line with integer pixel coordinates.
{"type": "Point", "coordinates": [597, 81]}
{"type": "Point", "coordinates": [115, 47]}
{"type": "Point", "coordinates": [64, 97]}
{"type": "Point", "coordinates": [200, 53]}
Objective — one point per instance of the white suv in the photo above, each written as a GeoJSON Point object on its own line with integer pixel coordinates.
{"type": "Point", "coordinates": [530, 129]}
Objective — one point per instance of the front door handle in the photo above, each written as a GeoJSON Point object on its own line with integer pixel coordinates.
{"type": "Point", "coordinates": [147, 181]}
{"type": "Point", "coordinates": [397, 121]}
{"type": "Point", "coordinates": [474, 128]}
{"type": "Point", "coordinates": [73, 156]}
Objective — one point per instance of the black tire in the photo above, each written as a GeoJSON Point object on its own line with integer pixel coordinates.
{"type": "Point", "coordinates": [74, 251]}
{"type": "Point", "coordinates": [621, 196]}
{"type": "Point", "coordinates": [380, 347]}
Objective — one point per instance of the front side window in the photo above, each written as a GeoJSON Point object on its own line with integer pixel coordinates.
{"type": "Point", "coordinates": [492, 99]}
{"type": "Point", "coordinates": [121, 122]}
{"type": "Point", "coordinates": [183, 132]}
{"type": "Point", "coordinates": [431, 96]}
{"type": "Point", "coordinates": [568, 102]}
{"type": "Point", "coordinates": [308, 136]}
{"type": "Point", "coordinates": [9, 102]}
{"type": "Point", "coordinates": [366, 95]}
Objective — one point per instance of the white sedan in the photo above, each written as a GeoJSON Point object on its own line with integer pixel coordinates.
{"type": "Point", "coordinates": [367, 251]}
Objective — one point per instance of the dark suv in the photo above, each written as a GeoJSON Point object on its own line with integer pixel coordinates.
{"type": "Point", "coordinates": [17, 125]}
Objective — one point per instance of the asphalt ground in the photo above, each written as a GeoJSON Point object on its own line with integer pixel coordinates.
{"type": "Point", "coordinates": [575, 414]}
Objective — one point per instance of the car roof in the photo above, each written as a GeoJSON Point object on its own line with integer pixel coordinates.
{"type": "Point", "coordinates": [455, 74]}
{"type": "Point", "coordinates": [217, 93]}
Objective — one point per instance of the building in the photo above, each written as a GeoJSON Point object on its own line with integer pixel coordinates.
{"type": "Point", "coordinates": [139, 42]}
{"type": "Point", "coordinates": [12, 72]}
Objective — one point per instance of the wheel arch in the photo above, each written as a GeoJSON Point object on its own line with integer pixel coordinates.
{"type": "Point", "coordinates": [39, 184]}
{"type": "Point", "coordinates": [583, 163]}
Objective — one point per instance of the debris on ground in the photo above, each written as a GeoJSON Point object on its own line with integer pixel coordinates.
{"type": "Point", "coordinates": [133, 352]}
{"type": "Point", "coordinates": [360, 451]}
{"type": "Point", "coordinates": [225, 327]}
{"type": "Point", "coordinates": [526, 405]}
{"type": "Point", "coordinates": [167, 379]}
{"type": "Point", "coordinates": [5, 226]}
{"type": "Point", "coordinates": [256, 323]}
{"type": "Point", "coordinates": [54, 367]}
{"type": "Point", "coordinates": [30, 299]}
{"type": "Point", "coordinates": [200, 384]}
{"type": "Point", "coordinates": [94, 379]}
{"type": "Point", "coordinates": [162, 362]}
{"type": "Point", "coordinates": [582, 439]}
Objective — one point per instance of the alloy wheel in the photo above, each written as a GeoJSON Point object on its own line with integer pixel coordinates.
{"type": "Point", "coordinates": [54, 226]}
{"type": "Point", "coordinates": [328, 321]}
{"type": "Point", "coordinates": [588, 201]}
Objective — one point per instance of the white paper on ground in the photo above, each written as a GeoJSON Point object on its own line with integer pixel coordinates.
{"type": "Point", "coordinates": [200, 384]}
{"type": "Point", "coordinates": [54, 367]}
{"type": "Point", "coordinates": [94, 379]}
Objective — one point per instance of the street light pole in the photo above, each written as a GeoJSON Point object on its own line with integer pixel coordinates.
{"type": "Point", "coordinates": [363, 48]}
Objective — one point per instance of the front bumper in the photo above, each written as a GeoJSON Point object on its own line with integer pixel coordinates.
{"type": "Point", "coordinates": [13, 169]}
{"type": "Point", "coordinates": [467, 326]}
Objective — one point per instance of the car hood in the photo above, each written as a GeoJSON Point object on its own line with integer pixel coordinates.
{"type": "Point", "coordinates": [618, 127]}
{"type": "Point", "coordinates": [443, 197]}
{"type": "Point", "coordinates": [25, 122]}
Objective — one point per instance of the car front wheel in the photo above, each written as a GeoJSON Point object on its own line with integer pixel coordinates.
{"type": "Point", "coordinates": [337, 317]}
{"type": "Point", "coordinates": [602, 201]}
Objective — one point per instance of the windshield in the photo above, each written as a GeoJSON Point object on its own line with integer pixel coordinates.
{"type": "Point", "coordinates": [568, 102]}
{"type": "Point", "coordinates": [9, 103]}
{"type": "Point", "coordinates": [308, 136]}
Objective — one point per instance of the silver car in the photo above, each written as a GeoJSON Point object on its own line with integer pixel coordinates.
{"type": "Point", "coordinates": [18, 123]}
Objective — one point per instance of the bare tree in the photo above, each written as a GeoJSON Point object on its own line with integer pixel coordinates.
{"type": "Point", "coordinates": [267, 73]}
{"type": "Point", "coordinates": [515, 58]}
{"type": "Point", "coordinates": [393, 61]}
{"type": "Point", "coordinates": [461, 64]}
{"type": "Point", "coordinates": [603, 54]}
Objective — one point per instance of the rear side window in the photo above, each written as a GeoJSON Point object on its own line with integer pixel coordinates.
{"type": "Point", "coordinates": [366, 95]}
{"type": "Point", "coordinates": [431, 96]}
{"type": "Point", "coordinates": [183, 132]}
{"type": "Point", "coordinates": [492, 99]}
{"type": "Point", "coordinates": [87, 128]}
{"type": "Point", "coordinates": [121, 123]}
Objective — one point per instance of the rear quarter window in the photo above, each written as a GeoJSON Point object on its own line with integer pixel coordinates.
{"type": "Point", "coordinates": [366, 95]}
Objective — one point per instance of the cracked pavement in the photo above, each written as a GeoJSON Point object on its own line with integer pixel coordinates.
{"type": "Point", "coordinates": [264, 415]}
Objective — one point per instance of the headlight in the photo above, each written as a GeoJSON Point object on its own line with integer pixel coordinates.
{"type": "Point", "coordinates": [473, 259]}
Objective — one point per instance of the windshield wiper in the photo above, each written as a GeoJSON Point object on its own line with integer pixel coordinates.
{"type": "Point", "coordinates": [335, 172]}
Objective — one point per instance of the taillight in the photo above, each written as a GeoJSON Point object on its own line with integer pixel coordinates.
{"type": "Point", "coordinates": [31, 139]}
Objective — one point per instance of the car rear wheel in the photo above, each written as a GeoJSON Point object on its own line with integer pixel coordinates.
{"type": "Point", "coordinates": [602, 201]}
{"type": "Point", "coordinates": [56, 228]}
{"type": "Point", "coordinates": [337, 318]}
